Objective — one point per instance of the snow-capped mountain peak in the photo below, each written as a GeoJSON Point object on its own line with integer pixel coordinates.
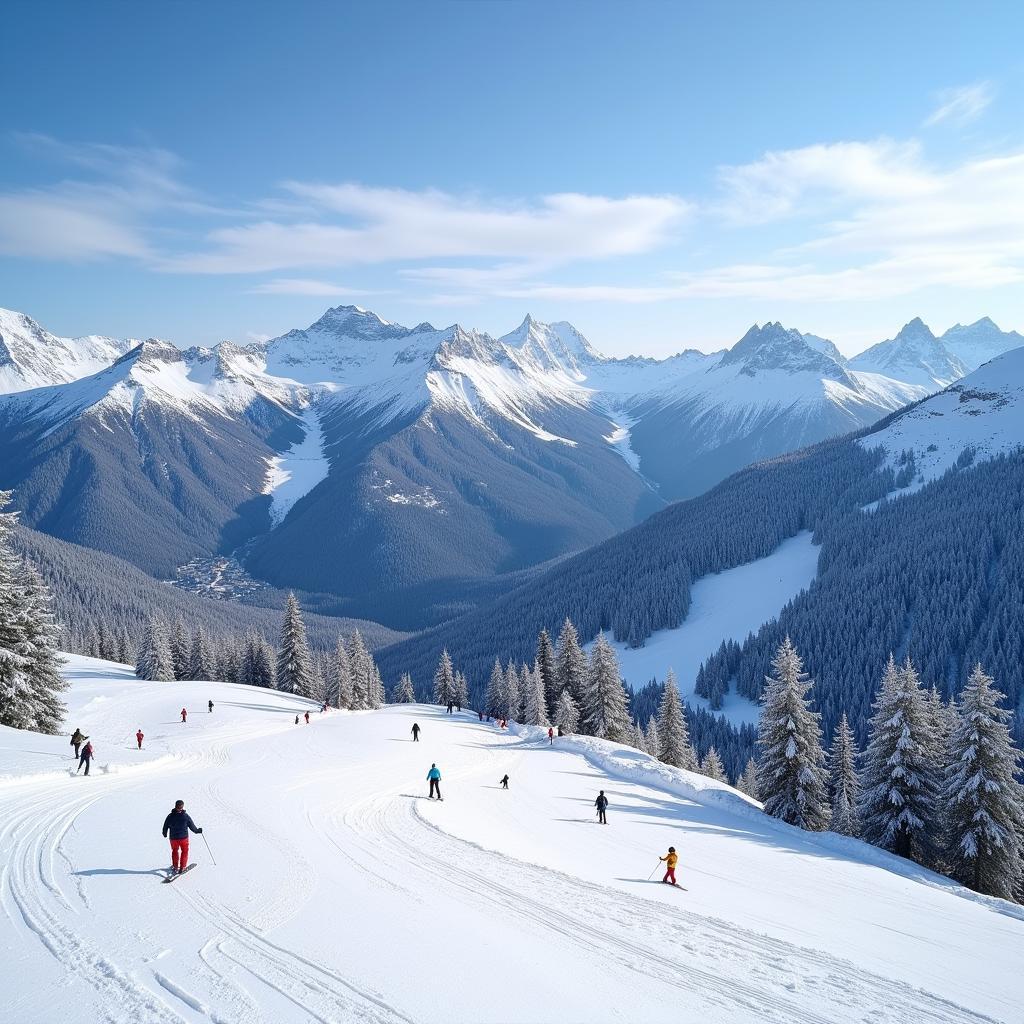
{"type": "Point", "coordinates": [915, 355]}
{"type": "Point", "coordinates": [775, 347]}
{"type": "Point", "coordinates": [979, 342]}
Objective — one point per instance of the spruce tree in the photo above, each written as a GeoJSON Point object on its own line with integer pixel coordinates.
{"type": "Point", "coordinates": [404, 692]}
{"type": "Point", "coordinates": [201, 660]}
{"type": "Point", "coordinates": [712, 766]}
{"type": "Point", "coordinates": [294, 664]}
{"type": "Point", "coordinates": [360, 666]}
{"type": "Point", "coordinates": [444, 680]}
{"type": "Point", "coordinates": [547, 664]}
{"type": "Point", "coordinates": [791, 775]}
{"type": "Point", "coordinates": [461, 690]}
{"type": "Point", "coordinates": [513, 698]}
{"type": "Point", "coordinates": [652, 741]}
{"type": "Point", "coordinates": [342, 690]}
{"type": "Point", "coordinates": [17, 708]}
{"type": "Point", "coordinates": [181, 649]}
{"type": "Point", "coordinates": [535, 710]}
{"type": "Point", "coordinates": [844, 791]}
{"type": "Point", "coordinates": [638, 740]}
{"type": "Point", "coordinates": [747, 782]}
{"type": "Point", "coordinates": [567, 716]}
{"type": "Point", "coordinates": [673, 735]}
{"type": "Point", "coordinates": [263, 671]}
{"type": "Point", "coordinates": [898, 781]}
{"type": "Point", "coordinates": [983, 797]}
{"type": "Point", "coordinates": [154, 660]}
{"type": "Point", "coordinates": [571, 663]}
{"type": "Point", "coordinates": [495, 697]}
{"type": "Point", "coordinates": [378, 697]}
{"type": "Point", "coordinates": [605, 712]}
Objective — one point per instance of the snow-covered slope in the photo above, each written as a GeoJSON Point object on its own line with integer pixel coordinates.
{"type": "Point", "coordinates": [31, 357]}
{"type": "Point", "coordinates": [340, 893]}
{"type": "Point", "coordinates": [915, 356]}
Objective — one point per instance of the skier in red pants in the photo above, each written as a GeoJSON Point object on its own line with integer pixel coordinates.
{"type": "Point", "coordinates": [140, 738]}
{"type": "Point", "coordinates": [177, 824]}
{"type": "Point", "coordinates": [671, 859]}
{"type": "Point", "coordinates": [184, 714]}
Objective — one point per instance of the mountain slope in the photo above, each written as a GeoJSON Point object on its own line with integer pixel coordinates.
{"type": "Point", "coordinates": [915, 355]}
{"type": "Point", "coordinates": [979, 342]}
{"type": "Point", "coordinates": [776, 924]}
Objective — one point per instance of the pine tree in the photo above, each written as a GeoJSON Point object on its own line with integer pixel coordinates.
{"type": "Point", "coordinates": [984, 799]}
{"type": "Point", "coordinates": [444, 680]}
{"type": "Point", "coordinates": [294, 664]}
{"type": "Point", "coordinates": [712, 766]}
{"type": "Point", "coordinates": [461, 690]}
{"type": "Point", "coordinates": [747, 782]}
{"type": "Point", "coordinates": [17, 708]}
{"type": "Point", "coordinates": [571, 663]}
{"type": "Point", "coordinates": [378, 697]}
{"type": "Point", "coordinates": [495, 697]}
{"type": "Point", "coordinates": [125, 648]}
{"type": "Point", "coordinates": [567, 716]}
{"type": "Point", "coordinates": [638, 740]}
{"type": "Point", "coordinates": [652, 741]}
{"type": "Point", "coordinates": [791, 775]}
{"type": "Point", "coordinates": [404, 692]}
{"type": "Point", "coordinates": [154, 659]}
{"type": "Point", "coordinates": [342, 690]}
{"type": "Point", "coordinates": [181, 649]}
{"type": "Point", "coordinates": [201, 661]}
{"type": "Point", "coordinates": [547, 664]}
{"type": "Point", "coordinates": [360, 665]}
{"type": "Point", "coordinates": [606, 709]}
{"type": "Point", "coordinates": [673, 735]}
{"type": "Point", "coordinates": [535, 710]}
{"type": "Point", "coordinates": [512, 696]}
{"type": "Point", "coordinates": [263, 671]}
{"type": "Point", "coordinates": [844, 791]}
{"type": "Point", "coordinates": [898, 782]}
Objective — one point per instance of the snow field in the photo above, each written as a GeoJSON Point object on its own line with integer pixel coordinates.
{"type": "Point", "coordinates": [342, 894]}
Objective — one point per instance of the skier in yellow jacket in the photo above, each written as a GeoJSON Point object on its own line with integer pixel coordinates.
{"type": "Point", "coordinates": [671, 859]}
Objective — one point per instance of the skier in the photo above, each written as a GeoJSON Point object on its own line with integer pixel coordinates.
{"type": "Point", "coordinates": [178, 823]}
{"type": "Point", "coordinates": [140, 738]}
{"type": "Point", "coordinates": [307, 718]}
{"type": "Point", "coordinates": [481, 715]}
{"type": "Point", "coordinates": [324, 708]}
{"type": "Point", "coordinates": [601, 803]}
{"type": "Point", "coordinates": [671, 859]}
{"type": "Point", "coordinates": [450, 706]}
{"type": "Point", "coordinates": [504, 781]}
{"type": "Point", "coordinates": [77, 739]}
{"type": "Point", "coordinates": [209, 705]}
{"type": "Point", "coordinates": [184, 714]}
{"type": "Point", "coordinates": [551, 736]}
{"type": "Point", "coordinates": [296, 719]}
{"type": "Point", "coordinates": [415, 732]}
{"type": "Point", "coordinates": [86, 758]}
{"type": "Point", "coordinates": [434, 777]}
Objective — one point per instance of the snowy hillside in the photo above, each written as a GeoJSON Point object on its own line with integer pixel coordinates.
{"type": "Point", "coordinates": [340, 893]}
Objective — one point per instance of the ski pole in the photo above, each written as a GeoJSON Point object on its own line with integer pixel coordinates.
{"type": "Point", "coordinates": [208, 850]}
{"type": "Point", "coordinates": [656, 866]}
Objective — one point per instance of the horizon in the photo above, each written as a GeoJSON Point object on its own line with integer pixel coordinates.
{"type": "Point", "coordinates": [234, 201]}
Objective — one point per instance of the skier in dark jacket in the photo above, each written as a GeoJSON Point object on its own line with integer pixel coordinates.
{"type": "Point", "coordinates": [86, 757]}
{"type": "Point", "coordinates": [504, 781]}
{"type": "Point", "coordinates": [77, 739]}
{"type": "Point", "coordinates": [601, 803]}
{"type": "Point", "coordinates": [415, 732]}
{"type": "Point", "coordinates": [177, 825]}
{"type": "Point", "coordinates": [209, 705]}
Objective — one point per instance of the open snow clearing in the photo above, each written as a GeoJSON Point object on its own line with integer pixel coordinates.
{"type": "Point", "coordinates": [340, 893]}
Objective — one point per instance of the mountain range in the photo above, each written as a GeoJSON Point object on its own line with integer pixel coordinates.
{"type": "Point", "coordinates": [402, 471]}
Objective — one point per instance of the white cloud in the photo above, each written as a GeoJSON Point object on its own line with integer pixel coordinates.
{"type": "Point", "coordinates": [961, 105]}
{"type": "Point", "coordinates": [304, 286]}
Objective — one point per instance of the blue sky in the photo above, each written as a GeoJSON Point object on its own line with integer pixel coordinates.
{"type": "Point", "coordinates": [660, 174]}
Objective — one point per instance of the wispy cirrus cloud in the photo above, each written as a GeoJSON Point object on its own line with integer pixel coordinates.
{"type": "Point", "coordinates": [306, 286]}
{"type": "Point", "coordinates": [961, 105]}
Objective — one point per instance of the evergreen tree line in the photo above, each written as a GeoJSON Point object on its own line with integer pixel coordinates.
{"type": "Point", "coordinates": [938, 781]}
{"type": "Point", "coordinates": [30, 681]}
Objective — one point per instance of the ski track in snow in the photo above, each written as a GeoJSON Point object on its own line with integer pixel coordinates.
{"type": "Point", "coordinates": [351, 849]}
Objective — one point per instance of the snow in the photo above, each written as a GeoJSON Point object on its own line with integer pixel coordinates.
{"type": "Point", "coordinates": [724, 606]}
{"type": "Point", "coordinates": [983, 411]}
{"type": "Point", "coordinates": [619, 439]}
{"type": "Point", "coordinates": [294, 474]}
{"type": "Point", "coordinates": [341, 894]}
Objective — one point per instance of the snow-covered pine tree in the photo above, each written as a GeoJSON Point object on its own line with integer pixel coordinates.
{"type": "Point", "coordinates": [16, 700]}
{"type": "Point", "coordinates": [294, 664]}
{"type": "Point", "coordinates": [639, 740]}
{"type": "Point", "coordinates": [513, 699]}
{"type": "Point", "coordinates": [843, 788]}
{"type": "Point", "coordinates": [263, 668]}
{"type": "Point", "coordinates": [404, 692]}
{"type": "Point", "coordinates": [360, 667]}
{"type": "Point", "coordinates": [444, 680]}
{"type": "Point", "coordinates": [378, 696]}
{"type": "Point", "coordinates": [712, 766]}
{"type": "Point", "coordinates": [125, 648]}
{"type": "Point", "coordinates": [791, 775]}
{"type": "Point", "coordinates": [747, 782]}
{"type": "Point", "coordinates": [181, 649]}
{"type": "Point", "coordinates": [898, 782]}
{"type": "Point", "coordinates": [200, 662]}
{"type": "Point", "coordinates": [571, 663]}
{"type": "Point", "coordinates": [605, 713]}
{"type": "Point", "coordinates": [154, 659]}
{"type": "Point", "coordinates": [567, 715]}
{"type": "Point", "coordinates": [984, 799]}
{"type": "Point", "coordinates": [547, 664]}
{"type": "Point", "coordinates": [495, 698]}
{"type": "Point", "coordinates": [535, 710]}
{"type": "Point", "coordinates": [652, 741]}
{"type": "Point", "coordinates": [40, 682]}
{"type": "Point", "coordinates": [674, 746]}
{"type": "Point", "coordinates": [461, 690]}
{"type": "Point", "coordinates": [341, 696]}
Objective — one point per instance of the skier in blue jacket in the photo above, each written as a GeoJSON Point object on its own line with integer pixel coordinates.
{"type": "Point", "coordinates": [434, 777]}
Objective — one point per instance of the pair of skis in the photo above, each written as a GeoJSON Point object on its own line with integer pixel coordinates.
{"type": "Point", "coordinates": [173, 875]}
